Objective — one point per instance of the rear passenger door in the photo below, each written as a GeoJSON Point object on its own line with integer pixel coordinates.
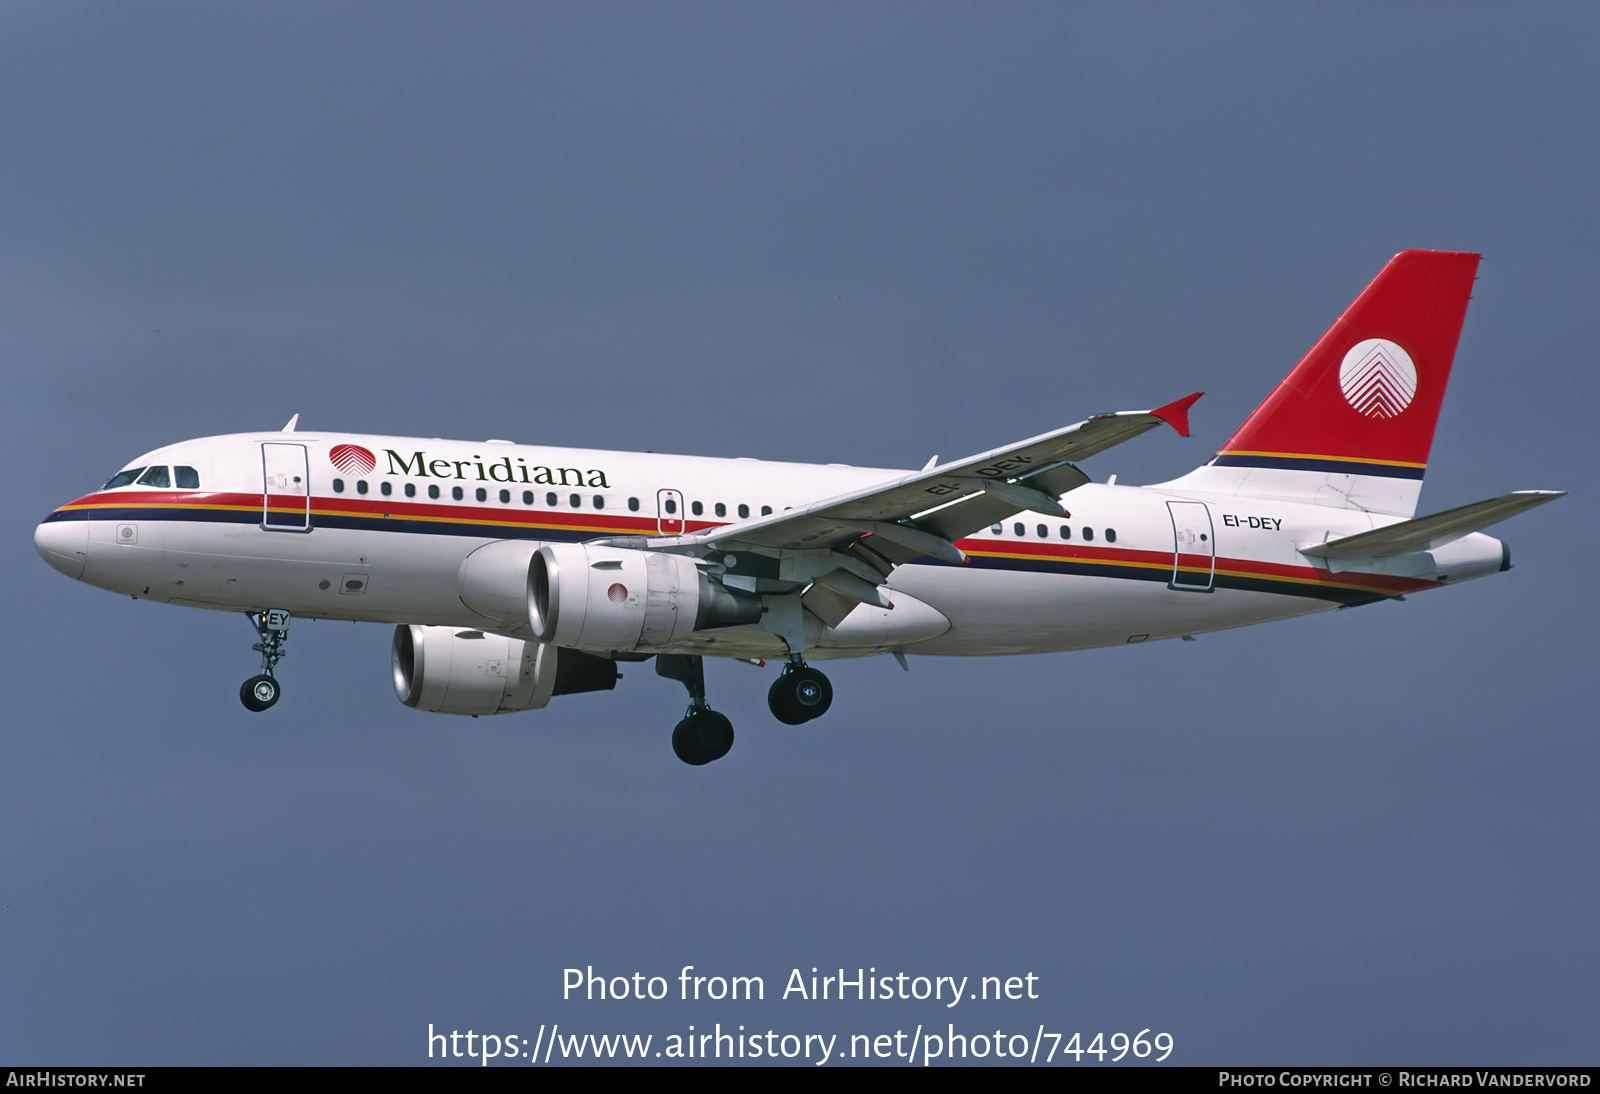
{"type": "Point", "coordinates": [1194, 547]}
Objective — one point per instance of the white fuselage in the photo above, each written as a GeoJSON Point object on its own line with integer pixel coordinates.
{"type": "Point", "coordinates": [388, 544]}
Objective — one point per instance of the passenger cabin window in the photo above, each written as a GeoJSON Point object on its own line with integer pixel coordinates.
{"type": "Point", "coordinates": [505, 497]}
{"type": "Point", "coordinates": [696, 508]}
{"type": "Point", "coordinates": [997, 529]}
{"type": "Point", "coordinates": [550, 500]}
{"type": "Point", "coordinates": [1111, 535]}
{"type": "Point", "coordinates": [576, 501]}
{"type": "Point", "coordinates": [1019, 529]}
{"type": "Point", "coordinates": [1066, 532]}
{"type": "Point", "coordinates": [361, 486]}
{"type": "Point", "coordinates": [455, 492]}
{"type": "Point", "coordinates": [744, 511]}
{"type": "Point", "coordinates": [386, 488]}
{"type": "Point", "coordinates": [766, 510]}
{"type": "Point", "coordinates": [671, 506]}
{"type": "Point", "coordinates": [411, 489]}
{"type": "Point", "coordinates": [433, 491]}
{"type": "Point", "coordinates": [482, 494]}
{"type": "Point", "coordinates": [527, 497]}
{"type": "Point", "coordinates": [599, 502]}
{"type": "Point", "coordinates": [722, 510]}
{"type": "Point", "coordinates": [187, 478]}
{"type": "Point", "coordinates": [633, 505]}
{"type": "Point", "coordinates": [1088, 534]}
{"type": "Point", "coordinates": [157, 477]}
{"type": "Point", "coordinates": [338, 486]}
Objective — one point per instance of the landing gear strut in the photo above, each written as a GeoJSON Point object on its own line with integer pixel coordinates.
{"type": "Point", "coordinates": [261, 691]}
{"type": "Point", "coordinates": [800, 694]}
{"type": "Point", "coordinates": [703, 735]}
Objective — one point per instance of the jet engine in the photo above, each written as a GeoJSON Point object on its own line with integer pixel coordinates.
{"type": "Point", "coordinates": [596, 597]}
{"type": "Point", "coordinates": [453, 671]}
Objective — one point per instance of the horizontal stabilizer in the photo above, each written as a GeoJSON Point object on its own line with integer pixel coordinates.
{"type": "Point", "coordinates": [1426, 533]}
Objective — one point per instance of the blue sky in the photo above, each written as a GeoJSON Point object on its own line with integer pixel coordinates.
{"type": "Point", "coordinates": [862, 233]}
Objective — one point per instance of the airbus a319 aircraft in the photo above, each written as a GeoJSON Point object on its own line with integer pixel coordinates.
{"type": "Point", "coordinates": [516, 573]}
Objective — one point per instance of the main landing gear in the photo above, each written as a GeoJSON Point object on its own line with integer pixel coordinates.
{"type": "Point", "coordinates": [703, 735]}
{"type": "Point", "coordinates": [261, 691]}
{"type": "Point", "coordinates": [800, 694]}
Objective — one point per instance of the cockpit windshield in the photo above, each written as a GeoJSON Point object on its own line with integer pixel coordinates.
{"type": "Point", "coordinates": [158, 477]}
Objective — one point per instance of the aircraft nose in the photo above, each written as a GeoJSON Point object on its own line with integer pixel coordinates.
{"type": "Point", "coordinates": [63, 541]}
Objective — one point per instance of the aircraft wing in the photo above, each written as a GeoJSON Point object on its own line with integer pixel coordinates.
{"type": "Point", "coordinates": [925, 512]}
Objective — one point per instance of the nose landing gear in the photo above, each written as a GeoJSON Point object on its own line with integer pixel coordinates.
{"type": "Point", "coordinates": [703, 735]}
{"type": "Point", "coordinates": [800, 694]}
{"type": "Point", "coordinates": [262, 691]}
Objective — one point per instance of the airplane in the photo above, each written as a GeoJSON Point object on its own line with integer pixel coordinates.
{"type": "Point", "coordinates": [517, 573]}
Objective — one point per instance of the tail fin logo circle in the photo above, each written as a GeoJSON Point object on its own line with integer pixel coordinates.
{"type": "Point", "coordinates": [1378, 378]}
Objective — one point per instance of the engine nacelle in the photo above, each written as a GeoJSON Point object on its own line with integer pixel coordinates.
{"type": "Point", "coordinates": [595, 597]}
{"type": "Point", "coordinates": [453, 671]}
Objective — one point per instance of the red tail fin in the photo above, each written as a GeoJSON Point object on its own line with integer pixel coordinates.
{"type": "Point", "coordinates": [1365, 399]}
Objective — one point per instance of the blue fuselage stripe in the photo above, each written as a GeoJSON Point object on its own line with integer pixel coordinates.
{"type": "Point", "coordinates": [1338, 467]}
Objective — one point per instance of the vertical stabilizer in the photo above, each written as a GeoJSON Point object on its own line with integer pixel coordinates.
{"type": "Point", "coordinates": [1352, 423]}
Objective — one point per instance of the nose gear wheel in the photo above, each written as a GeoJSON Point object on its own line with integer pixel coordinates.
{"type": "Point", "coordinates": [259, 692]}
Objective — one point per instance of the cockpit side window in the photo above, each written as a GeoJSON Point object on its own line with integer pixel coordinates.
{"type": "Point", "coordinates": [187, 478]}
{"type": "Point", "coordinates": [156, 476]}
{"type": "Point", "coordinates": [123, 478]}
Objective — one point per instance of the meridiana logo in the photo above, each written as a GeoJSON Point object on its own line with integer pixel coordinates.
{"type": "Point", "coordinates": [1378, 378]}
{"type": "Point", "coordinates": [352, 459]}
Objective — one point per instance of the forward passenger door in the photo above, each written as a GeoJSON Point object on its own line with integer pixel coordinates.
{"type": "Point", "coordinates": [285, 487]}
